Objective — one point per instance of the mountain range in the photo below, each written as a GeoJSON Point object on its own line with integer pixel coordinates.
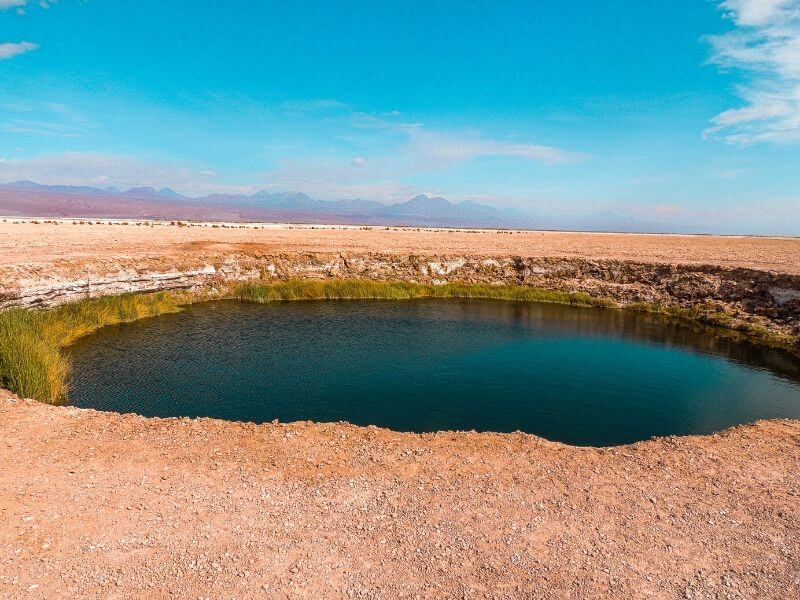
{"type": "Point", "coordinates": [27, 198]}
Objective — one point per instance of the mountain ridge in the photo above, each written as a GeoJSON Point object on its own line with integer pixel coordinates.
{"type": "Point", "coordinates": [28, 198]}
{"type": "Point", "coordinates": [419, 208]}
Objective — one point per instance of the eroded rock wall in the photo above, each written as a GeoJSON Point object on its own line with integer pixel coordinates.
{"type": "Point", "coordinates": [766, 298]}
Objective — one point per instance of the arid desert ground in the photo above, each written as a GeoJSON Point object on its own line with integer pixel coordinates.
{"type": "Point", "coordinates": [117, 506]}
{"type": "Point", "coordinates": [47, 242]}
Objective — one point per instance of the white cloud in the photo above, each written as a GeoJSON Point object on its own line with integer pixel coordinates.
{"type": "Point", "coordinates": [11, 49]}
{"type": "Point", "coordinates": [776, 217]}
{"type": "Point", "coordinates": [434, 149]}
{"type": "Point", "coordinates": [315, 105]}
{"type": "Point", "coordinates": [21, 5]}
{"type": "Point", "coordinates": [333, 179]}
{"type": "Point", "coordinates": [404, 150]}
{"type": "Point", "coordinates": [389, 151]}
{"type": "Point", "coordinates": [756, 12]}
{"type": "Point", "coordinates": [6, 4]}
{"type": "Point", "coordinates": [765, 45]}
{"type": "Point", "coordinates": [437, 150]}
{"type": "Point", "coordinates": [386, 121]}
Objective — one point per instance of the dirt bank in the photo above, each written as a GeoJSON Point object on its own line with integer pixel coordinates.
{"type": "Point", "coordinates": [746, 283]}
{"type": "Point", "coordinates": [105, 505]}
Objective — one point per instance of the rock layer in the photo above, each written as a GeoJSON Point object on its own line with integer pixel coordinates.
{"type": "Point", "coordinates": [763, 298]}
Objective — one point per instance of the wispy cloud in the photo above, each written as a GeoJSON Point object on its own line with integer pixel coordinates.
{"type": "Point", "coordinates": [396, 151]}
{"type": "Point", "coordinates": [315, 105]}
{"type": "Point", "coordinates": [390, 150]}
{"type": "Point", "coordinates": [6, 4]}
{"type": "Point", "coordinates": [12, 49]}
{"type": "Point", "coordinates": [44, 119]}
{"type": "Point", "coordinates": [372, 179]}
{"type": "Point", "coordinates": [776, 217]}
{"type": "Point", "coordinates": [390, 121]}
{"type": "Point", "coordinates": [21, 5]}
{"type": "Point", "coordinates": [765, 45]}
{"type": "Point", "coordinates": [436, 150]}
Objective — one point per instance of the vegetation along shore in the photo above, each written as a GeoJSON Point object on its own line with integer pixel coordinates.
{"type": "Point", "coordinates": [33, 365]}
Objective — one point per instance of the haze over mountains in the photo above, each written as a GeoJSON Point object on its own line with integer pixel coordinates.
{"type": "Point", "coordinates": [27, 198]}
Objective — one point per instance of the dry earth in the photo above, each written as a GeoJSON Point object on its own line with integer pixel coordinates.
{"type": "Point", "coordinates": [23, 242]}
{"type": "Point", "coordinates": [119, 506]}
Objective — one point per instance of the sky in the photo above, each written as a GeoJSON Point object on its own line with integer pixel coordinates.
{"type": "Point", "coordinates": [674, 111]}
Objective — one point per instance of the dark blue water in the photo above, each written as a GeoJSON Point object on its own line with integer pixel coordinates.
{"type": "Point", "coordinates": [582, 376]}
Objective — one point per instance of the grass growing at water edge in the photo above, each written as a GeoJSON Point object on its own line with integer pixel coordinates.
{"type": "Point", "coordinates": [31, 362]}
{"type": "Point", "coordinates": [350, 289]}
{"type": "Point", "coordinates": [710, 314]}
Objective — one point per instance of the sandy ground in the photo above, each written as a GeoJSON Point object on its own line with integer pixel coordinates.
{"type": "Point", "coordinates": [23, 242]}
{"type": "Point", "coordinates": [119, 506]}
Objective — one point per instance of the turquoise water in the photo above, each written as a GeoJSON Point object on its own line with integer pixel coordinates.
{"type": "Point", "coordinates": [582, 376]}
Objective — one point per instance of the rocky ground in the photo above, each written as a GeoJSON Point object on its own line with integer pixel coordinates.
{"type": "Point", "coordinates": [119, 506]}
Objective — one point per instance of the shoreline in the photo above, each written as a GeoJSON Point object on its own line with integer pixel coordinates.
{"type": "Point", "coordinates": [32, 341]}
{"type": "Point", "coordinates": [92, 501]}
{"type": "Point", "coordinates": [411, 436]}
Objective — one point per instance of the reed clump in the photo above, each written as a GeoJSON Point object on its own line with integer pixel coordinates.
{"type": "Point", "coordinates": [350, 289]}
{"type": "Point", "coordinates": [31, 362]}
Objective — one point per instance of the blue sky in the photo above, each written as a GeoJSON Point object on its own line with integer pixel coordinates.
{"type": "Point", "coordinates": [672, 112]}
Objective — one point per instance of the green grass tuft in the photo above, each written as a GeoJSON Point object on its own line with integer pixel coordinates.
{"type": "Point", "coordinates": [31, 362]}
{"type": "Point", "coordinates": [356, 289]}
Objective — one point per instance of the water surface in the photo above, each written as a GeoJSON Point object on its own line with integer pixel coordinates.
{"type": "Point", "coordinates": [582, 376]}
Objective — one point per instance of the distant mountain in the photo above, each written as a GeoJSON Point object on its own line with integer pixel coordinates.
{"type": "Point", "coordinates": [140, 192]}
{"type": "Point", "coordinates": [30, 198]}
{"type": "Point", "coordinates": [27, 198]}
{"type": "Point", "coordinates": [169, 193]}
{"type": "Point", "coordinates": [85, 190]}
{"type": "Point", "coordinates": [438, 209]}
{"type": "Point", "coordinates": [426, 208]}
{"type": "Point", "coordinates": [286, 201]}
{"type": "Point", "coordinates": [152, 193]}
{"type": "Point", "coordinates": [420, 210]}
{"type": "Point", "coordinates": [58, 189]}
{"type": "Point", "coordinates": [357, 206]}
